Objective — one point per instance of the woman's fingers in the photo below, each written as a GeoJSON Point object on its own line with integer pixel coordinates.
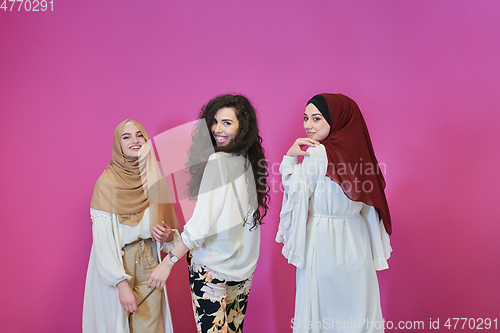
{"type": "Point", "coordinates": [131, 307]}
{"type": "Point", "coordinates": [159, 276]}
{"type": "Point", "coordinates": [161, 233]}
{"type": "Point", "coordinates": [296, 148]}
{"type": "Point", "coordinates": [160, 228]}
{"type": "Point", "coordinates": [157, 285]}
{"type": "Point", "coordinates": [126, 297]}
{"type": "Point", "coordinates": [155, 235]}
{"type": "Point", "coordinates": [311, 142]}
{"type": "Point", "coordinates": [167, 229]}
{"type": "Point", "coordinates": [169, 236]}
{"type": "Point", "coordinates": [154, 284]}
{"type": "Point", "coordinates": [307, 141]}
{"type": "Point", "coordinates": [162, 237]}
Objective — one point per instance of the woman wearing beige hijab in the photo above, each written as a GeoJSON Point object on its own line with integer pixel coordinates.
{"type": "Point", "coordinates": [132, 221]}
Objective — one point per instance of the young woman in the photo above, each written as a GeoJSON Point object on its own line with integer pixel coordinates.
{"type": "Point", "coordinates": [335, 220]}
{"type": "Point", "coordinates": [223, 235]}
{"type": "Point", "coordinates": [123, 255]}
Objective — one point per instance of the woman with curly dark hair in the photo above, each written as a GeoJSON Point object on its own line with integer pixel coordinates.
{"type": "Point", "coordinates": [229, 183]}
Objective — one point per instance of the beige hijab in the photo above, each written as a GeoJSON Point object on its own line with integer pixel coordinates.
{"type": "Point", "coordinates": [123, 190]}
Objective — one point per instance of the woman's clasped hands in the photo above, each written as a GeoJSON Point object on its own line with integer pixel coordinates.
{"type": "Point", "coordinates": [162, 233]}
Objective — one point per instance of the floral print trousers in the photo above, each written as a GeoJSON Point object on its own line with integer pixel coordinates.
{"type": "Point", "coordinates": [218, 305]}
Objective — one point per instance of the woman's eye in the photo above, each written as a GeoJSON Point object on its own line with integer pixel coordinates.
{"type": "Point", "coordinates": [215, 122]}
{"type": "Point", "coordinates": [125, 137]}
{"type": "Point", "coordinates": [317, 119]}
{"type": "Point", "coordinates": [227, 123]}
{"type": "Point", "coordinates": [140, 135]}
{"type": "Point", "coordinates": [306, 119]}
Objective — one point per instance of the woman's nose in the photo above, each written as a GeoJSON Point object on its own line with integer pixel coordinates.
{"type": "Point", "coordinates": [217, 128]}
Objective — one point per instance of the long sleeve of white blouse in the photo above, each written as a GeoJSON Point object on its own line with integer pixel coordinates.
{"type": "Point", "coordinates": [107, 245]}
{"type": "Point", "coordinates": [379, 238]}
{"type": "Point", "coordinates": [299, 182]}
{"type": "Point", "coordinates": [209, 203]}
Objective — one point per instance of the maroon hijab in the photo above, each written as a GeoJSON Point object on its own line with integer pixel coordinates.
{"type": "Point", "coordinates": [351, 161]}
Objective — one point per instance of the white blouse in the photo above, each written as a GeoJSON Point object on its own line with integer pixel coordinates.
{"type": "Point", "coordinates": [108, 244]}
{"type": "Point", "coordinates": [310, 193]}
{"type": "Point", "coordinates": [216, 233]}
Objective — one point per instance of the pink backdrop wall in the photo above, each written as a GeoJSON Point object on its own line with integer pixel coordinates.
{"type": "Point", "coordinates": [424, 73]}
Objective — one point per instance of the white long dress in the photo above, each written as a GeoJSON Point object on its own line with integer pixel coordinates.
{"type": "Point", "coordinates": [102, 312]}
{"type": "Point", "coordinates": [336, 252]}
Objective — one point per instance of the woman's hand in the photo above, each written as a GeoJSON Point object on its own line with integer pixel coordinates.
{"type": "Point", "coordinates": [296, 148]}
{"type": "Point", "coordinates": [160, 275]}
{"type": "Point", "coordinates": [126, 296]}
{"type": "Point", "coordinates": [162, 271]}
{"type": "Point", "coordinates": [162, 233]}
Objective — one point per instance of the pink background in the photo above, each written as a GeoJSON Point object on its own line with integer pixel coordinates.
{"type": "Point", "coordinates": [425, 74]}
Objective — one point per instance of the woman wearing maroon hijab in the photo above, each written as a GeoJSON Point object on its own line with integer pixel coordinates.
{"type": "Point", "coordinates": [335, 222]}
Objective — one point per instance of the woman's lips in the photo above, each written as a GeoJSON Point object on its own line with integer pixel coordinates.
{"type": "Point", "coordinates": [220, 139]}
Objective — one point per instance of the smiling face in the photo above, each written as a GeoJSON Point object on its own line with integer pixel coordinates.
{"type": "Point", "coordinates": [225, 126]}
{"type": "Point", "coordinates": [131, 140]}
{"type": "Point", "coordinates": [315, 124]}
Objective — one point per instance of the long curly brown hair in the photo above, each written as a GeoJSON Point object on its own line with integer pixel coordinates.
{"type": "Point", "coordinates": [247, 142]}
